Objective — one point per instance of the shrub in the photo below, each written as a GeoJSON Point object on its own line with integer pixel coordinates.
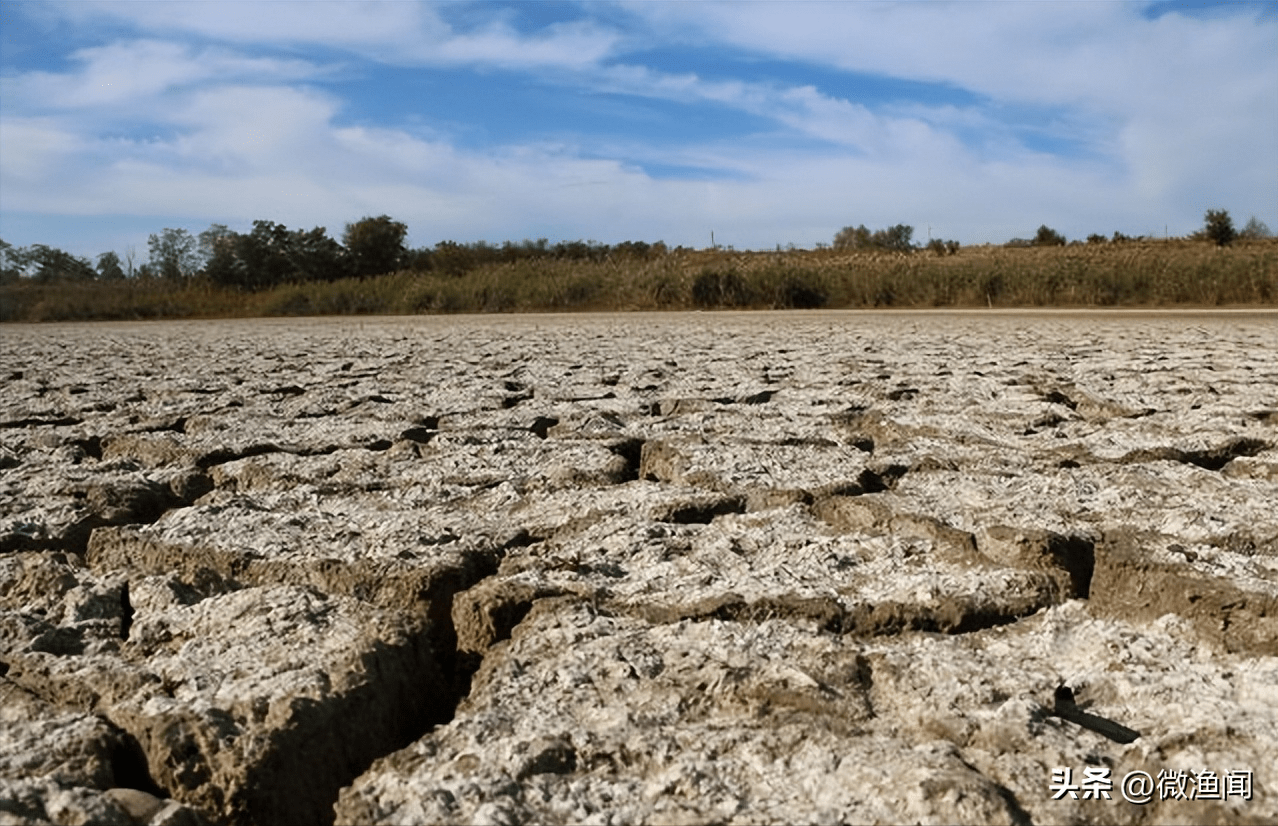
{"type": "Point", "coordinates": [720, 288]}
{"type": "Point", "coordinates": [992, 286]}
{"type": "Point", "coordinates": [1219, 227]}
{"type": "Point", "coordinates": [1048, 237]}
{"type": "Point", "coordinates": [1255, 228]}
{"type": "Point", "coordinates": [451, 258]}
{"type": "Point", "coordinates": [894, 239]}
{"type": "Point", "coordinates": [109, 268]}
{"type": "Point", "coordinates": [851, 238]}
{"type": "Point", "coordinates": [793, 288]}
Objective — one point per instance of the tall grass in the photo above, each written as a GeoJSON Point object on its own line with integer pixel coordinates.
{"type": "Point", "coordinates": [1137, 274]}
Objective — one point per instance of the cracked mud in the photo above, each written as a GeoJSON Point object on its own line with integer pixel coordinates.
{"type": "Point", "coordinates": [737, 568]}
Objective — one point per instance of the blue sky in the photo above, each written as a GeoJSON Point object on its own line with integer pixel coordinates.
{"type": "Point", "coordinates": [765, 122]}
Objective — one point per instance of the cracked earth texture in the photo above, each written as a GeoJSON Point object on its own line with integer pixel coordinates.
{"type": "Point", "coordinates": [648, 568]}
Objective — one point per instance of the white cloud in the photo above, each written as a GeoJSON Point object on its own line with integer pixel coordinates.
{"type": "Point", "coordinates": [398, 32]}
{"type": "Point", "coordinates": [570, 46]}
{"type": "Point", "coordinates": [129, 71]}
{"type": "Point", "coordinates": [32, 148]}
{"type": "Point", "coordinates": [276, 154]}
{"type": "Point", "coordinates": [1177, 115]}
{"type": "Point", "coordinates": [1093, 54]}
{"type": "Point", "coordinates": [366, 24]}
{"type": "Point", "coordinates": [249, 129]}
{"type": "Point", "coordinates": [1187, 107]}
{"type": "Point", "coordinates": [802, 108]}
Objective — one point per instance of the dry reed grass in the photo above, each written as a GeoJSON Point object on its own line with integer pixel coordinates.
{"type": "Point", "coordinates": [1133, 274]}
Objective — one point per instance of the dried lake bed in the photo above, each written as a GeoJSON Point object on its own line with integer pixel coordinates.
{"type": "Point", "coordinates": [641, 568]}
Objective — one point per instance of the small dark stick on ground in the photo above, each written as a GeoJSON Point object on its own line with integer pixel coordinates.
{"type": "Point", "coordinates": [1067, 710]}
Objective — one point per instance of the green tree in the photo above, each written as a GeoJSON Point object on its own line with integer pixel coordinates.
{"type": "Point", "coordinates": [261, 256]}
{"type": "Point", "coordinates": [375, 245]}
{"type": "Point", "coordinates": [217, 249]}
{"type": "Point", "coordinates": [1048, 237]}
{"type": "Point", "coordinates": [271, 254]}
{"type": "Point", "coordinates": [451, 258]}
{"type": "Point", "coordinates": [53, 265]}
{"type": "Point", "coordinates": [210, 240]}
{"type": "Point", "coordinates": [109, 268]}
{"type": "Point", "coordinates": [173, 253]}
{"type": "Point", "coordinates": [316, 257]}
{"type": "Point", "coordinates": [852, 238]}
{"type": "Point", "coordinates": [13, 262]}
{"type": "Point", "coordinates": [221, 265]}
{"type": "Point", "coordinates": [894, 239]}
{"type": "Point", "coordinates": [419, 260]}
{"type": "Point", "coordinates": [1219, 227]}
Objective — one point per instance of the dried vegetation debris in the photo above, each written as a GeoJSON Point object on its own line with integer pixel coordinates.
{"type": "Point", "coordinates": [797, 568]}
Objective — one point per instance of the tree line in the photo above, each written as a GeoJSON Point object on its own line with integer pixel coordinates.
{"type": "Point", "coordinates": [1218, 228]}
{"type": "Point", "coordinates": [271, 254]}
